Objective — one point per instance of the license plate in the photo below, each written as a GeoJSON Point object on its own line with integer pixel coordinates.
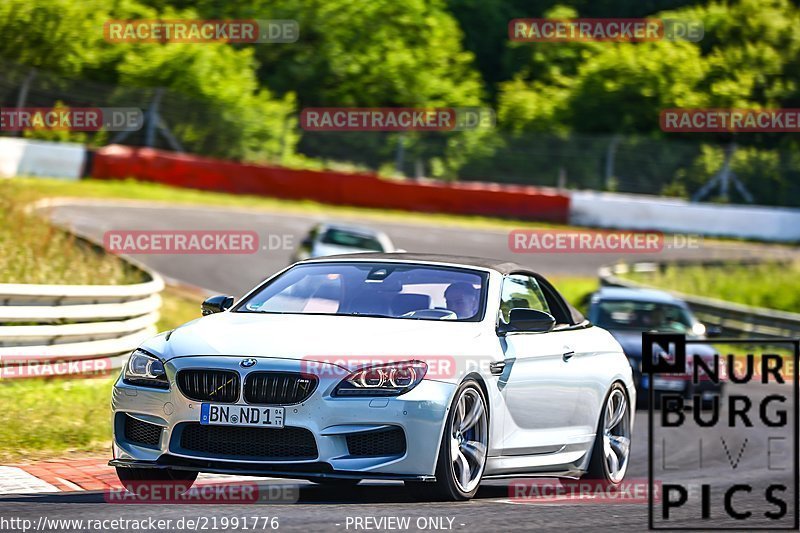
{"type": "Point", "coordinates": [241, 415]}
{"type": "Point", "coordinates": [668, 384]}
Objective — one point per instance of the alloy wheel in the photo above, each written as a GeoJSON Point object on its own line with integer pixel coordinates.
{"type": "Point", "coordinates": [469, 438]}
{"type": "Point", "coordinates": [616, 435]}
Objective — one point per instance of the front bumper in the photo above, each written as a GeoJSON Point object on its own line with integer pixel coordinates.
{"type": "Point", "coordinates": [420, 413]}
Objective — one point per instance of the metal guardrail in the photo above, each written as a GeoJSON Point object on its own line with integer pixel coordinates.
{"type": "Point", "coordinates": [58, 324]}
{"type": "Point", "coordinates": [733, 318]}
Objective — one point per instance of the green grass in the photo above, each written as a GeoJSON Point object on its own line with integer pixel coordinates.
{"type": "Point", "coordinates": [33, 251]}
{"type": "Point", "coordinates": [178, 307]}
{"type": "Point", "coordinates": [771, 285]}
{"type": "Point", "coordinates": [576, 290]}
{"type": "Point", "coordinates": [51, 417]}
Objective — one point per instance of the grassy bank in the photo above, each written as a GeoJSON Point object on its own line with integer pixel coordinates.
{"type": "Point", "coordinates": [46, 418]}
{"type": "Point", "coordinates": [51, 417]}
{"type": "Point", "coordinates": [178, 307]}
{"type": "Point", "coordinates": [33, 251]}
{"type": "Point", "coordinates": [770, 285]}
{"type": "Point", "coordinates": [576, 290]}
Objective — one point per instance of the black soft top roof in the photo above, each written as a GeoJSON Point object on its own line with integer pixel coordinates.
{"type": "Point", "coordinates": [504, 267]}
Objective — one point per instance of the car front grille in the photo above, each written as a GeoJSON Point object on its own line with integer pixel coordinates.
{"type": "Point", "coordinates": [203, 385]}
{"type": "Point", "coordinates": [233, 442]}
{"type": "Point", "coordinates": [142, 433]}
{"type": "Point", "coordinates": [377, 443]}
{"type": "Point", "coordinates": [278, 388]}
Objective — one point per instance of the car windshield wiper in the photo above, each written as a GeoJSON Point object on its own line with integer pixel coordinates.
{"type": "Point", "coordinates": [371, 315]}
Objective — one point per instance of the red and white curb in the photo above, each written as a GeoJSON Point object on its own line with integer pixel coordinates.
{"type": "Point", "coordinates": [15, 480]}
{"type": "Point", "coordinates": [76, 475]}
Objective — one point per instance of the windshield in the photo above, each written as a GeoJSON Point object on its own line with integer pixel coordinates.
{"type": "Point", "coordinates": [644, 316]}
{"type": "Point", "coordinates": [349, 239]}
{"type": "Point", "coordinates": [390, 290]}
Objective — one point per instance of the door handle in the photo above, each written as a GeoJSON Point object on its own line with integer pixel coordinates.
{"type": "Point", "coordinates": [568, 355]}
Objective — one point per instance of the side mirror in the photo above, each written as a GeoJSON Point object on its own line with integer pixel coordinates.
{"type": "Point", "coordinates": [530, 320]}
{"type": "Point", "coordinates": [308, 242]}
{"type": "Point", "coordinates": [216, 304]}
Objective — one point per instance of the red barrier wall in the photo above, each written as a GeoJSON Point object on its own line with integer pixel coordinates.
{"type": "Point", "coordinates": [366, 190]}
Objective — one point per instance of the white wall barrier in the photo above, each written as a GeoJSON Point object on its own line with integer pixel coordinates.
{"type": "Point", "coordinates": [25, 157]}
{"type": "Point", "coordinates": [639, 212]}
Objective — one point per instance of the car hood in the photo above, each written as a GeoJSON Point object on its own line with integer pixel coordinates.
{"type": "Point", "coordinates": [317, 336]}
{"type": "Point", "coordinates": [631, 342]}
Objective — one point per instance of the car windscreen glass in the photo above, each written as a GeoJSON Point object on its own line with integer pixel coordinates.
{"type": "Point", "coordinates": [644, 316]}
{"type": "Point", "coordinates": [389, 290]}
{"type": "Point", "coordinates": [338, 237]}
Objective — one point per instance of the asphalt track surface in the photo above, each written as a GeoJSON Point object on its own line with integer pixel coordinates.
{"type": "Point", "coordinates": [496, 508]}
{"type": "Point", "coordinates": [759, 462]}
{"type": "Point", "coordinates": [235, 274]}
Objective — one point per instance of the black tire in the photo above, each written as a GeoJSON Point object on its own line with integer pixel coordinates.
{"type": "Point", "coordinates": [598, 470]}
{"type": "Point", "coordinates": [133, 478]}
{"type": "Point", "coordinates": [445, 488]}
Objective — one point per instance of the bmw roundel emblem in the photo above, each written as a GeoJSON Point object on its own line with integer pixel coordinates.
{"type": "Point", "coordinates": [247, 363]}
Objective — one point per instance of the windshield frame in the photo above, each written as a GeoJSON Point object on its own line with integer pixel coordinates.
{"type": "Point", "coordinates": [479, 316]}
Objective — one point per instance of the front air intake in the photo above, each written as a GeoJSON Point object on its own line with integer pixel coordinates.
{"type": "Point", "coordinates": [203, 385]}
{"type": "Point", "coordinates": [278, 388]}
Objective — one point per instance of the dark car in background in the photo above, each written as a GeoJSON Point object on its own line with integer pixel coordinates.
{"type": "Point", "coordinates": [627, 313]}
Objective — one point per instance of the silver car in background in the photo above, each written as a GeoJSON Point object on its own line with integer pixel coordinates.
{"type": "Point", "coordinates": [333, 239]}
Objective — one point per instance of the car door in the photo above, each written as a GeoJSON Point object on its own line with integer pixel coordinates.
{"type": "Point", "coordinates": [543, 378]}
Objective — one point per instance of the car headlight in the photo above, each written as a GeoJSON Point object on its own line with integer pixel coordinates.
{"type": "Point", "coordinates": [698, 329]}
{"type": "Point", "coordinates": [146, 370]}
{"type": "Point", "coordinates": [392, 379]}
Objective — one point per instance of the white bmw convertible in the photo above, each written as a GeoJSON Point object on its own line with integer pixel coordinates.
{"type": "Point", "coordinates": [439, 371]}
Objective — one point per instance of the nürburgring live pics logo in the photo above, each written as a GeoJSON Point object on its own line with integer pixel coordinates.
{"type": "Point", "coordinates": [744, 472]}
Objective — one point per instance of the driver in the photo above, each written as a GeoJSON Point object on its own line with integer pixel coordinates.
{"type": "Point", "coordinates": [652, 319]}
{"type": "Point", "coordinates": [462, 299]}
